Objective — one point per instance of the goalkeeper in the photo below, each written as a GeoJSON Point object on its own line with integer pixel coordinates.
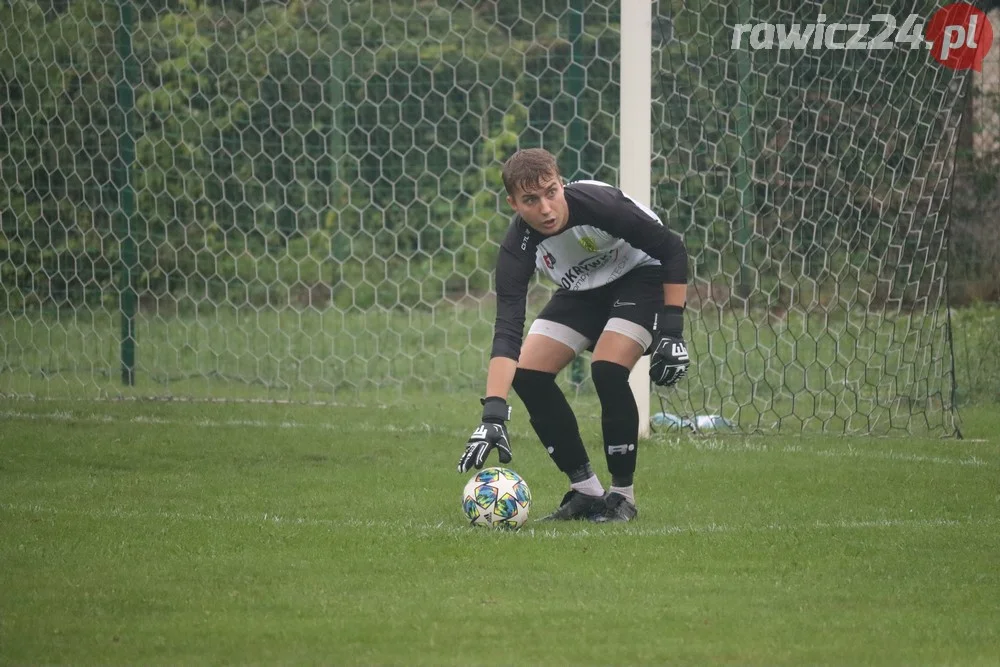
{"type": "Point", "coordinates": [622, 278]}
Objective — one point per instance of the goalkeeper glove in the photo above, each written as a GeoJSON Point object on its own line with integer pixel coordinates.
{"type": "Point", "coordinates": [670, 359]}
{"type": "Point", "coordinates": [491, 433]}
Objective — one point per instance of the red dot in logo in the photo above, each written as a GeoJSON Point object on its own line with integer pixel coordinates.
{"type": "Point", "coordinates": [960, 36]}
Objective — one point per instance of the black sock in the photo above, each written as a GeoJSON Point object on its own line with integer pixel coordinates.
{"type": "Point", "coordinates": [553, 421]}
{"type": "Point", "coordinates": [619, 420]}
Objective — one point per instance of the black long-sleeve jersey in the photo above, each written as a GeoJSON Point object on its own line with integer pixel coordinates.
{"type": "Point", "coordinates": [608, 235]}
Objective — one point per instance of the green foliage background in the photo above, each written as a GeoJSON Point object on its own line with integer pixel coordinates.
{"type": "Point", "coordinates": [349, 145]}
{"type": "Point", "coordinates": [348, 152]}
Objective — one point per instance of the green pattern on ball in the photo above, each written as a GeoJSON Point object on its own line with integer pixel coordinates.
{"type": "Point", "coordinates": [471, 508]}
{"type": "Point", "coordinates": [523, 493]}
{"type": "Point", "coordinates": [488, 475]}
{"type": "Point", "coordinates": [486, 495]}
{"type": "Point", "coordinates": [506, 506]}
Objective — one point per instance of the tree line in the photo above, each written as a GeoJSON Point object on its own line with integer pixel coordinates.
{"type": "Point", "coordinates": [348, 153]}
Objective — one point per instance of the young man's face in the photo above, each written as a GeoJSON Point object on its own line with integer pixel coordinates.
{"type": "Point", "coordinates": [543, 206]}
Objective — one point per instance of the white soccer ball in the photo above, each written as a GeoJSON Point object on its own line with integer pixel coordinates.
{"type": "Point", "coordinates": [497, 498]}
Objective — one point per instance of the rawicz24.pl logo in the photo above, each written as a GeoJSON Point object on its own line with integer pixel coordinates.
{"type": "Point", "coordinates": [958, 35]}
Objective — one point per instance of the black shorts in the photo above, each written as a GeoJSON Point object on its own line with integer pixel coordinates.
{"type": "Point", "coordinates": [629, 305]}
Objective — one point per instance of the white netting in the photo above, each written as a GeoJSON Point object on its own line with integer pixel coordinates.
{"type": "Point", "coordinates": [306, 202]}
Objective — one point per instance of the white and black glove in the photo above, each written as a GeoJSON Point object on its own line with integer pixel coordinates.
{"type": "Point", "coordinates": [490, 434]}
{"type": "Point", "coordinates": [669, 362]}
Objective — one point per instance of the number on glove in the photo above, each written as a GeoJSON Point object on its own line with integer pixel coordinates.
{"type": "Point", "coordinates": [483, 440]}
{"type": "Point", "coordinates": [669, 362]}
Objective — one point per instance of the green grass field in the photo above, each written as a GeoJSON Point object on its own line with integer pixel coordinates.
{"type": "Point", "coordinates": [217, 533]}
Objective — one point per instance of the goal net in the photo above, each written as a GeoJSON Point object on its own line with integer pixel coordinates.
{"type": "Point", "coordinates": [301, 200]}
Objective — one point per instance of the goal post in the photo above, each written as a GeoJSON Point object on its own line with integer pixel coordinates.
{"type": "Point", "coordinates": [635, 122]}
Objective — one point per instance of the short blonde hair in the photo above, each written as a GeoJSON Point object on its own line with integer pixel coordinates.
{"type": "Point", "coordinates": [526, 168]}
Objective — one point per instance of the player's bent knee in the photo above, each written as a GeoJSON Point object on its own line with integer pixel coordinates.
{"type": "Point", "coordinates": [525, 377]}
{"type": "Point", "coordinates": [609, 378]}
{"type": "Point", "coordinates": [535, 388]}
{"type": "Point", "coordinates": [541, 352]}
{"type": "Point", "coordinates": [619, 348]}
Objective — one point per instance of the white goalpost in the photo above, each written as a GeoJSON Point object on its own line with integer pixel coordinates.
{"type": "Point", "coordinates": [636, 143]}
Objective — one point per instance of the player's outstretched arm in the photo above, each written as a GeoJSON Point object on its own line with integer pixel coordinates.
{"type": "Point", "coordinates": [492, 430]}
